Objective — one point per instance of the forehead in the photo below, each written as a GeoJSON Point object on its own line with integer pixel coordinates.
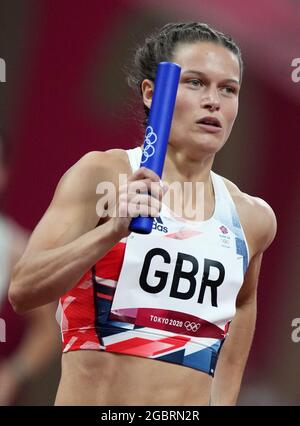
{"type": "Point", "coordinates": [207, 57]}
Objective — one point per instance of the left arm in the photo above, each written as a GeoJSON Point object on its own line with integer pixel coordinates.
{"type": "Point", "coordinates": [40, 342]}
{"type": "Point", "coordinates": [37, 350]}
{"type": "Point", "coordinates": [235, 350]}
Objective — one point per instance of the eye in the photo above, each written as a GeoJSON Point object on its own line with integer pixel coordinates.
{"type": "Point", "coordinates": [195, 82]}
{"type": "Point", "coordinates": [229, 90]}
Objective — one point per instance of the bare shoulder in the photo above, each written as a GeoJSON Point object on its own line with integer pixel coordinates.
{"type": "Point", "coordinates": [257, 217]}
{"type": "Point", "coordinates": [93, 168]}
{"type": "Point", "coordinates": [73, 208]}
{"type": "Point", "coordinates": [101, 162]}
{"type": "Point", "coordinates": [117, 155]}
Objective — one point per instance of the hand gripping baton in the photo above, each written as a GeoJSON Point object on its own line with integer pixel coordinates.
{"type": "Point", "coordinates": [158, 130]}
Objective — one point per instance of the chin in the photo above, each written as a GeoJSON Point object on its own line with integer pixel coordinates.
{"type": "Point", "coordinates": [209, 145]}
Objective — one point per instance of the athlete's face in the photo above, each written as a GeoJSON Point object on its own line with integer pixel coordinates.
{"type": "Point", "coordinates": [209, 87]}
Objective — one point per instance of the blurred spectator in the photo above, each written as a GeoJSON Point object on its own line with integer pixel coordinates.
{"type": "Point", "coordinates": [31, 341]}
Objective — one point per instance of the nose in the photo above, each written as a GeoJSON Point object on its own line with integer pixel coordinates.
{"type": "Point", "coordinates": [211, 100]}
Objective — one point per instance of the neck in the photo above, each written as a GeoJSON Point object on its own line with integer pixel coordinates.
{"type": "Point", "coordinates": [184, 166]}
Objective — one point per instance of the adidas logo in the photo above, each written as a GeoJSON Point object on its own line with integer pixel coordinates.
{"type": "Point", "coordinates": [158, 225]}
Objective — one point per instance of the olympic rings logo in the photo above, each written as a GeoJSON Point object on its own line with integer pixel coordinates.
{"type": "Point", "coordinates": [150, 139]}
{"type": "Point", "coordinates": [192, 326]}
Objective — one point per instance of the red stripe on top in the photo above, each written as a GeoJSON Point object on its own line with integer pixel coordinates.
{"type": "Point", "coordinates": [147, 347]}
{"type": "Point", "coordinates": [78, 303]}
{"type": "Point", "coordinates": [80, 312]}
{"type": "Point", "coordinates": [109, 267]}
{"type": "Point", "coordinates": [105, 296]}
{"type": "Point", "coordinates": [184, 234]}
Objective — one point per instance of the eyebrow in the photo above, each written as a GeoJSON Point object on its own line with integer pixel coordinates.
{"type": "Point", "coordinates": [232, 80]}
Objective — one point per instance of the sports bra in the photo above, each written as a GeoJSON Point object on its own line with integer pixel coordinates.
{"type": "Point", "coordinates": [169, 295]}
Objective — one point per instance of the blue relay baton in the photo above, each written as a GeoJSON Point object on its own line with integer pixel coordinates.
{"type": "Point", "coordinates": [158, 130]}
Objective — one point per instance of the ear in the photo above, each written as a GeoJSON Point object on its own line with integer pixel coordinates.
{"type": "Point", "coordinates": [147, 87]}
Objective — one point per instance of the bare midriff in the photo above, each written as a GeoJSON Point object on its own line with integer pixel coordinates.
{"type": "Point", "coordinates": [102, 378]}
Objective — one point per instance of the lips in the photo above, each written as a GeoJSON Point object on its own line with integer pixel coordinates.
{"type": "Point", "coordinates": [209, 121]}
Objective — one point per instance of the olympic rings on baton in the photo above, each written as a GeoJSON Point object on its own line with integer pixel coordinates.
{"type": "Point", "coordinates": [150, 139]}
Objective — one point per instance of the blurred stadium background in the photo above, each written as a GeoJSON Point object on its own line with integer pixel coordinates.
{"type": "Point", "coordinates": [66, 94]}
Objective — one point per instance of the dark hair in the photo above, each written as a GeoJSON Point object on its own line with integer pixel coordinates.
{"type": "Point", "coordinates": [160, 45]}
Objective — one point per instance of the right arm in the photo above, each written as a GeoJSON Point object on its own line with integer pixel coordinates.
{"type": "Point", "coordinates": [66, 243]}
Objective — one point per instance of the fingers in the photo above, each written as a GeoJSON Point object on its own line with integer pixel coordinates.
{"type": "Point", "coordinates": [142, 194]}
{"type": "Point", "coordinates": [144, 181]}
{"type": "Point", "coordinates": [138, 204]}
{"type": "Point", "coordinates": [142, 210]}
{"type": "Point", "coordinates": [144, 173]}
{"type": "Point", "coordinates": [146, 186]}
